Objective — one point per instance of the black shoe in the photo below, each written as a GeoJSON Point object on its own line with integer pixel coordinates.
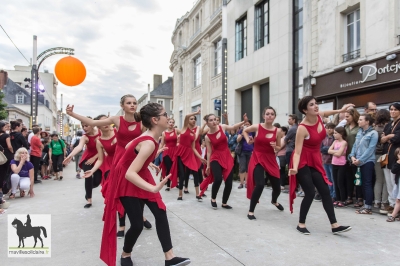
{"type": "Point", "coordinates": [199, 198]}
{"type": "Point", "coordinates": [126, 261]}
{"type": "Point", "coordinates": [214, 205]}
{"type": "Point", "coordinates": [186, 191]}
{"type": "Point", "coordinates": [37, 182]}
{"type": "Point", "coordinates": [147, 224]}
{"type": "Point", "coordinates": [317, 198]}
{"type": "Point", "coordinates": [88, 205]}
{"type": "Point", "coordinates": [226, 207]}
{"type": "Point", "coordinates": [304, 231]}
{"type": "Point", "coordinates": [177, 261]}
{"type": "Point", "coordinates": [167, 189]}
{"type": "Point", "coordinates": [61, 178]}
{"type": "Point", "coordinates": [251, 217]}
{"type": "Point", "coordinates": [179, 198]}
{"type": "Point", "coordinates": [340, 229]}
{"type": "Point", "coordinates": [120, 234]}
{"type": "Point", "coordinates": [204, 196]}
{"type": "Point", "coordinates": [279, 207]}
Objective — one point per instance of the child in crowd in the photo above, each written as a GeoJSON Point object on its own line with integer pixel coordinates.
{"type": "Point", "coordinates": [338, 151]}
{"type": "Point", "coordinates": [396, 190]}
{"type": "Point", "coordinates": [327, 158]}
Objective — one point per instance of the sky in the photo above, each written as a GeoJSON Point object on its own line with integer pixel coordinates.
{"type": "Point", "coordinates": [122, 43]}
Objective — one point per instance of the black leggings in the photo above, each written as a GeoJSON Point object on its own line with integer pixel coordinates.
{"type": "Point", "coordinates": [184, 172]}
{"type": "Point", "coordinates": [340, 181]}
{"type": "Point", "coordinates": [351, 172]}
{"type": "Point", "coordinates": [134, 210]}
{"type": "Point", "coordinates": [93, 181]}
{"type": "Point", "coordinates": [260, 182]}
{"type": "Point", "coordinates": [217, 173]}
{"type": "Point", "coordinates": [36, 166]}
{"type": "Point", "coordinates": [309, 179]}
{"type": "Point", "coordinates": [57, 162]}
{"type": "Point", "coordinates": [168, 164]}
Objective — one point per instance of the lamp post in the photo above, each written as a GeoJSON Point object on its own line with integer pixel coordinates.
{"type": "Point", "coordinates": [35, 73]}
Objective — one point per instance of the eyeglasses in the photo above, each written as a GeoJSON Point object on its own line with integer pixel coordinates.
{"type": "Point", "coordinates": [164, 114]}
{"type": "Point", "coordinates": [373, 110]}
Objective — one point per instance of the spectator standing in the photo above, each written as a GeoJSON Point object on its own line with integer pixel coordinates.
{"type": "Point", "coordinates": [5, 142]}
{"type": "Point", "coordinates": [282, 160]}
{"type": "Point", "coordinates": [396, 191]}
{"type": "Point", "coordinates": [363, 156]}
{"type": "Point", "coordinates": [244, 156]}
{"type": "Point", "coordinates": [391, 141]}
{"type": "Point", "coordinates": [352, 116]}
{"type": "Point", "coordinates": [56, 155]}
{"type": "Point", "coordinates": [17, 139]}
{"type": "Point", "coordinates": [327, 158]}
{"type": "Point", "coordinates": [44, 162]}
{"type": "Point", "coordinates": [78, 156]}
{"type": "Point", "coordinates": [36, 153]}
{"type": "Point", "coordinates": [370, 107]}
{"type": "Point", "coordinates": [380, 190]}
{"type": "Point", "coordinates": [291, 137]}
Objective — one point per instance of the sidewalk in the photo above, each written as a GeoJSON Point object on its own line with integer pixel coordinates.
{"type": "Point", "coordinates": [209, 237]}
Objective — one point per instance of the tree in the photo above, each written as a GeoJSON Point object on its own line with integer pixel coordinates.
{"type": "Point", "coordinates": [3, 105]}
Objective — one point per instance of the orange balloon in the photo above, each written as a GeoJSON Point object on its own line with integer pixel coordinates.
{"type": "Point", "coordinates": [70, 71]}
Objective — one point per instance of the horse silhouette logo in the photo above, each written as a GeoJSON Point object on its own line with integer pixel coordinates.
{"type": "Point", "coordinates": [24, 231]}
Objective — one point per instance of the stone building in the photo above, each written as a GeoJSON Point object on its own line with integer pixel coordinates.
{"type": "Point", "coordinates": [161, 93]}
{"type": "Point", "coordinates": [196, 62]}
{"type": "Point", "coordinates": [353, 51]}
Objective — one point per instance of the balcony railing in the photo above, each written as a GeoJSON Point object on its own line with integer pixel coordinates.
{"type": "Point", "coordinates": [194, 35]}
{"type": "Point", "coordinates": [215, 13]}
{"type": "Point", "coordinates": [352, 55]}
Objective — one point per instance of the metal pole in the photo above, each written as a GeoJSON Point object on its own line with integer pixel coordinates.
{"type": "Point", "coordinates": [34, 80]}
{"type": "Point", "coordinates": [224, 98]}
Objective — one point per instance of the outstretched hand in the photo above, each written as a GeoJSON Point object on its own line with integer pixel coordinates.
{"type": "Point", "coordinates": [160, 185]}
{"type": "Point", "coordinates": [69, 109]}
{"type": "Point", "coordinates": [67, 160]}
{"type": "Point", "coordinates": [346, 107]}
{"type": "Point", "coordinates": [87, 174]}
{"type": "Point", "coordinates": [245, 118]}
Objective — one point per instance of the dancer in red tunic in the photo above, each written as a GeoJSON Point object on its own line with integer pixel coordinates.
{"type": "Point", "coordinates": [169, 139]}
{"type": "Point", "coordinates": [263, 159]}
{"type": "Point", "coordinates": [186, 162]}
{"type": "Point", "coordinates": [136, 188]}
{"type": "Point", "coordinates": [88, 159]}
{"type": "Point", "coordinates": [219, 160]}
{"type": "Point", "coordinates": [306, 164]}
{"type": "Point", "coordinates": [127, 130]}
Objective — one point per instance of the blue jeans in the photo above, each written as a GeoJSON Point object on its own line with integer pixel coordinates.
{"type": "Point", "coordinates": [328, 170]}
{"type": "Point", "coordinates": [158, 160]}
{"type": "Point", "coordinates": [368, 181]}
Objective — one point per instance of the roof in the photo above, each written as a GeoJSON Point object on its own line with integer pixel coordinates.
{"type": "Point", "coordinates": [164, 88]}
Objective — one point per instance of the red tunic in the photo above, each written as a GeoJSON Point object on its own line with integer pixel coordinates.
{"type": "Point", "coordinates": [197, 147]}
{"type": "Point", "coordinates": [185, 152]}
{"type": "Point", "coordinates": [263, 154]}
{"type": "Point", "coordinates": [90, 149]}
{"type": "Point", "coordinates": [220, 153]}
{"type": "Point", "coordinates": [310, 156]}
{"type": "Point", "coordinates": [170, 140]}
{"type": "Point", "coordinates": [126, 188]}
{"type": "Point", "coordinates": [109, 148]}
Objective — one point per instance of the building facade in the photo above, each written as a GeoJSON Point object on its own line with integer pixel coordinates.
{"type": "Point", "coordinates": [196, 62]}
{"type": "Point", "coordinates": [162, 94]}
{"type": "Point", "coordinates": [47, 107]}
{"type": "Point", "coordinates": [354, 51]}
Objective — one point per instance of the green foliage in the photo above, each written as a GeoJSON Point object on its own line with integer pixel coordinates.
{"type": "Point", "coordinates": [3, 104]}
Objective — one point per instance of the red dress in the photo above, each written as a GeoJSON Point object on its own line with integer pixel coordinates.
{"type": "Point", "coordinates": [126, 188]}
{"type": "Point", "coordinates": [263, 154]}
{"type": "Point", "coordinates": [90, 149]}
{"type": "Point", "coordinates": [185, 152]}
{"type": "Point", "coordinates": [109, 148]}
{"type": "Point", "coordinates": [220, 153]}
{"type": "Point", "coordinates": [170, 140]}
{"type": "Point", "coordinates": [197, 147]}
{"type": "Point", "coordinates": [310, 156]}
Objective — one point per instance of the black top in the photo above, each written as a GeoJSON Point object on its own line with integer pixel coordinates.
{"type": "Point", "coordinates": [18, 141]}
{"type": "Point", "coordinates": [395, 142]}
{"type": "Point", "coordinates": [3, 143]}
{"type": "Point", "coordinates": [396, 171]}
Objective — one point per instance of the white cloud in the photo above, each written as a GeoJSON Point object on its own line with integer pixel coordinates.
{"type": "Point", "coordinates": [122, 43]}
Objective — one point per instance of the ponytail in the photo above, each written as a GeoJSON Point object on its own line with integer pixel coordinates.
{"type": "Point", "coordinates": [137, 117]}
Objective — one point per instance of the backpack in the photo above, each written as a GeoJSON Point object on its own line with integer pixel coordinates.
{"type": "Point", "coordinates": [76, 142]}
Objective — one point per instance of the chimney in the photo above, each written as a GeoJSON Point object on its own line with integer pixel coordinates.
{"type": "Point", "coordinates": [3, 79]}
{"type": "Point", "coordinates": [157, 80]}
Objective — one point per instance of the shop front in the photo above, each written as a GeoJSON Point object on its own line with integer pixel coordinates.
{"type": "Point", "coordinates": [375, 81]}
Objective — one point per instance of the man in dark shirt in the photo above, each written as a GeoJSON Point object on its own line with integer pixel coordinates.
{"type": "Point", "coordinates": [291, 137]}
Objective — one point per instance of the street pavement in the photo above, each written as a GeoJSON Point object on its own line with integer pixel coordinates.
{"type": "Point", "coordinates": [208, 237]}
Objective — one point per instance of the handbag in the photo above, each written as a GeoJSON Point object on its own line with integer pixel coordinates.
{"type": "Point", "coordinates": [384, 159]}
{"type": "Point", "coordinates": [3, 158]}
{"type": "Point", "coordinates": [238, 149]}
{"type": "Point", "coordinates": [358, 181]}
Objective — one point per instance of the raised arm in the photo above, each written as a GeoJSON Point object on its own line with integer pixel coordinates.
{"type": "Point", "coordinates": [95, 123]}
{"type": "Point", "coordinates": [186, 121]}
{"type": "Point", "coordinates": [246, 131]}
{"type": "Point", "coordinates": [9, 146]}
{"type": "Point", "coordinates": [332, 112]}
{"type": "Point", "coordinates": [83, 140]}
{"type": "Point", "coordinates": [225, 116]}
{"type": "Point", "coordinates": [235, 126]}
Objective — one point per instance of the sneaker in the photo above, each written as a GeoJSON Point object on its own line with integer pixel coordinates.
{"type": "Point", "coordinates": [37, 181]}
{"type": "Point", "coordinates": [78, 176]}
{"type": "Point", "coordinates": [303, 231]}
{"type": "Point", "coordinates": [240, 186]}
{"type": "Point", "coordinates": [300, 194]}
{"type": "Point", "coordinates": [199, 198]}
{"type": "Point", "coordinates": [317, 198]}
{"type": "Point", "coordinates": [147, 224]}
{"type": "Point", "coordinates": [214, 205]}
{"type": "Point", "coordinates": [384, 208]}
{"type": "Point", "coordinates": [340, 229]}
{"type": "Point", "coordinates": [251, 217]}
{"type": "Point", "coordinates": [167, 189]}
{"type": "Point", "coordinates": [126, 261]}
{"type": "Point", "coordinates": [120, 234]}
{"type": "Point", "coordinates": [177, 261]}
{"type": "Point", "coordinates": [186, 191]}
